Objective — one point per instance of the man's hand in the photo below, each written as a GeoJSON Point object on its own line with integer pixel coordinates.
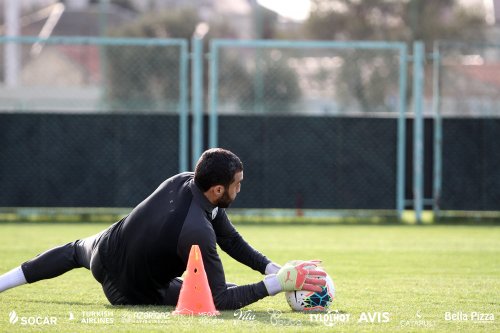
{"type": "Point", "coordinates": [296, 275]}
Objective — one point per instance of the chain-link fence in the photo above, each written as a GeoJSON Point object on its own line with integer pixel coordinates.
{"type": "Point", "coordinates": [84, 74]}
{"type": "Point", "coordinates": [322, 79]}
{"type": "Point", "coordinates": [317, 123]}
{"type": "Point", "coordinates": [91, 121]}
{"type": "Point", "coordinates": [320, 125]}
{"type": "Point", "coordinates": [468, 121]}
{"type": "Point", "coordinates": [470, 80]}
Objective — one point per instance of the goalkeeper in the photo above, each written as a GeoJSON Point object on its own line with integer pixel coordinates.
{"type": "Point", "coordinates": [138, 260]}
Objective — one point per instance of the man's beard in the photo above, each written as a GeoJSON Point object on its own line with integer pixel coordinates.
{"type": "Point", "coordinates": [225, 201]}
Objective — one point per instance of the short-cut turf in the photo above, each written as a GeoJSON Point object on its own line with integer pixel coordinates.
{"type": "Point", "coordinates": [417, 274]}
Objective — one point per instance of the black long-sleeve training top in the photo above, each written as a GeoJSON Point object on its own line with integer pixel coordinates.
{"type": "Point", "coordinates": [144, 251]}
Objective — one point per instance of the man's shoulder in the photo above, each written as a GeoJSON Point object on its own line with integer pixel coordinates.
{"type": "Point", "coordinates": [183, 176]}
{"type": "Point", "coordinates": [179, 180]}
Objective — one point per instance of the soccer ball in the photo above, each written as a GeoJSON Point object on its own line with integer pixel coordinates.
{"type": "Point", "coordinates": [303, 300]}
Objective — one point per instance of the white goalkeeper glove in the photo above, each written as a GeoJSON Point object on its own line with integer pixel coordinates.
{"type": "Point", "coordinates": [296, 275]}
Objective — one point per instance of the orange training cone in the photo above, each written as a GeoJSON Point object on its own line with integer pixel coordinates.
{"type": "Point", "coordinates": [195, 296]}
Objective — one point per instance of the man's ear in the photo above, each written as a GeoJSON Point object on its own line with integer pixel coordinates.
{"type": "Point", "coordinates": [218, 190]}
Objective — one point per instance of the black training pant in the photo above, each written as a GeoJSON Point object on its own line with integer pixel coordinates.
{"type": "Point", "coordinates": [84, 253]}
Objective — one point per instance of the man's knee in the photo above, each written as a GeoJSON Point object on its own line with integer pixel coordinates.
{"type": "Point", "coordinates": [85, 250]}
{"type": "Point", "coordinates": [80, 255]}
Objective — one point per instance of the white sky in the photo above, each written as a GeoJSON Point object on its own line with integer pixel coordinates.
{"type": "Point", "coordinates": [293, 9]}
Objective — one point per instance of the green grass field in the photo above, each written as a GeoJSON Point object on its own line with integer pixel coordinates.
{"type": "Point", "coordinates": [411, 278]}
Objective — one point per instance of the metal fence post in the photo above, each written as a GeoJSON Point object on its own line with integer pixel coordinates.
{"type": "Point", "coordinates": [214, 86]}
{"type": "Point", "coordinates": [197, 98]}
{"type": "Point", "coordinates": [401, 166]}
{"type": "Point", "coordinates": [183, 108]}
{"type": "Point", "coordinates": [418, 128]}
{"type": "Point", "coordinates": [438, 129]}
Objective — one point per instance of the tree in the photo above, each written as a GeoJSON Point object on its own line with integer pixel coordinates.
{"type": "Point", "coordinates": [369, 79]}
{"type": "Point", "coordinates": [147, 77]}
{"type": "Point", "coordinates": [389, 20]}
{"type": "Point", "coordinates": [137, 74]}
{"type": "Point", "coordinates": [138, 78]}
{"type": "Point", "coordinates": [265, 21]}
{"type": "Point", "coordinates": [272, 88]}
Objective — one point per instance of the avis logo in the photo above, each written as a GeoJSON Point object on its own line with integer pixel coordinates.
{"type": "Point", "coordinates": [374, 317]}
{"type": "Point", "coordinates": [31, 321]}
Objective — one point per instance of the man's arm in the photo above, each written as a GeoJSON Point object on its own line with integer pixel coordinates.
{"type": "Point", "coordinates": [228, 298]}
{"type": "Point", "coordinates": [224, 298]}
{"type": "Point", "coordinates": [231, 242]}
{"type": "Point", "coordinates": [290, 277]}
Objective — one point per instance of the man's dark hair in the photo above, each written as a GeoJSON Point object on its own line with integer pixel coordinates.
{"type": "Point", "coordinates": [216, 166]}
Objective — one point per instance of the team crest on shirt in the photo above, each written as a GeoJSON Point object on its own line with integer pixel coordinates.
{"type": "Point", "coordinates": [214, 212]}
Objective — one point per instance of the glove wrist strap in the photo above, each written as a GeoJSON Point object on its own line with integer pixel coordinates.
{"type": "Point", "coordinates": [272, 284]}
{"type": "Point", "coordinates": [272, 268]}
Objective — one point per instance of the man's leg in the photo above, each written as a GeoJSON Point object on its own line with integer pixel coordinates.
{"type": "Point", "coordinates": [170, 294]}
{"type": "Point", "coordinates": [112, 293]}
{"type": "Point", "coordinates": [52, 263]}
{"type": "Point", "coordinates": [11, 279]}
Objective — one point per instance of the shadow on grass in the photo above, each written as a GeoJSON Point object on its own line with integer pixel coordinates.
{"type": "Point", "coordinates": [59, 302]}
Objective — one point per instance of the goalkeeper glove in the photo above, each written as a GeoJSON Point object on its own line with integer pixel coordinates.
{"type": "Point", "coordinates": [297, 275]}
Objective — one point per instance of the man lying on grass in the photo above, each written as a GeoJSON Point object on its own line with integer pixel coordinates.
{"type": "Point", "coordinates": [139, 259]}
